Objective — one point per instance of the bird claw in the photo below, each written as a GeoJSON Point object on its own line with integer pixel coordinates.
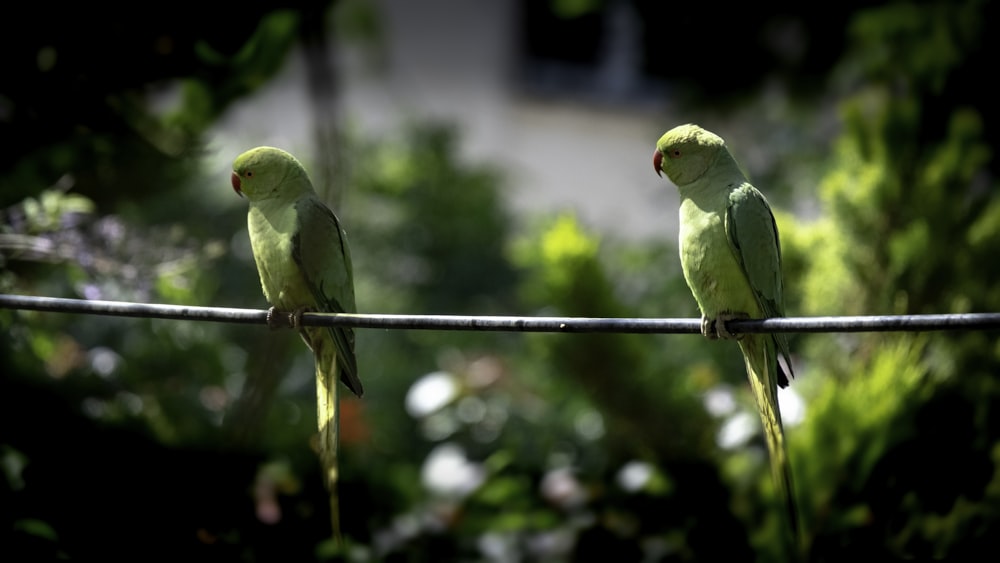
{"type": "Point", "coordinates": [280, 319]}
{"type": "Point", "coordinates": [295, 317]}
{"type": "Point", "coordinates": [708, 328]}
{"type": "Point", "coordinates": [273, 321]}
{"type": "Point", "coordinates": [715, 328]}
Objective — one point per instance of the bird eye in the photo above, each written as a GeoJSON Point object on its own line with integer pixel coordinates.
{"type": "Point", "coordinates": [675, 153]}
{"type": "Point", "coordinates": [249, 173]}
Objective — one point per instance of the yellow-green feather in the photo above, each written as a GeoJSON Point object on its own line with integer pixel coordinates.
{"type": "Point", "coordinates": [328, 422]}
{"type": "Point", "coordinates": [731, 260]}
{"type": "Point", "coordinates": [761, 365]}
{"type": "Point", "coordinates": [304, 264]}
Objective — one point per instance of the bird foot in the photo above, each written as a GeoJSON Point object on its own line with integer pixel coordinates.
{"type": "Point", "coordinates": [715, 328]}
{"type": "Point", "coordinates": [295, 317]}
{"type": "Point", "coordinates": [282, 319]}
{"type": "Point", "coordinates": [277, 319]}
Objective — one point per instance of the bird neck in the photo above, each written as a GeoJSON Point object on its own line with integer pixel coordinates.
{"type": "Point", "coordinates": [721, 176]}
{"type": "Point", "coordinates": [725, 166]}
{"type": "Point", "coordinates": [291, 189]}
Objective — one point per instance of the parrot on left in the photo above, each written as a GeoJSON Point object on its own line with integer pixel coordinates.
{"type": "Point", "coordinates": [305, 265]}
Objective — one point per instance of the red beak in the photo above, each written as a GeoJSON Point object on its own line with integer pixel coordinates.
{"type": "Point", "coordinates": [235, 179]}
{"type": "Point", "coordinates": [657, 159]}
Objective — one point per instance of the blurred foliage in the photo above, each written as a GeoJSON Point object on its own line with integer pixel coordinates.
{"type": "Point", "coordinates": [417, 228]}
{"type": "Point", "coordinates": [193, 438]}
{"type": "Point", "coordinates": [897, 457]}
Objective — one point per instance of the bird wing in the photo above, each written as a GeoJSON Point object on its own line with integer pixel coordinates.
{"type": "Point", "coordinates": [319, 248]}
{"type": "Point", "coordinates": [753, 237]}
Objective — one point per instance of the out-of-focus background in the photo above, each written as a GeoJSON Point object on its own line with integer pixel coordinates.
{"type": "Point", "coordinates": [495, 158]}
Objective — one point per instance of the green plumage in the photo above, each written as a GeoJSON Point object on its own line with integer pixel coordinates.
{"type": "Point", "coordinates": [731, 257]}
{"type": "Point", "coordinates": [304, 264]}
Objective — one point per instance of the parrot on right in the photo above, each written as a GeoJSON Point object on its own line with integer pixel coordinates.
{"type": "Point", "coordinates": [731, 258]}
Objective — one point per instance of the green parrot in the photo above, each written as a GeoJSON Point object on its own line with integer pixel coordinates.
{"type": "Point", "coordinates": [304, 264]}
{"type": "Point", "coordinates": [731, 259]}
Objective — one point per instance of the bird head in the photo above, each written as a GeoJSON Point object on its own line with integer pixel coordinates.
{"type": "Point", "coordinates": [685, 152]}
{"type": "Point", "coordinates": [262, 172]}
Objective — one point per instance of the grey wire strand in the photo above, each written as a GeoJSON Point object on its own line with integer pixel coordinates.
{"type": "Point", "coordinates": [872, 323]}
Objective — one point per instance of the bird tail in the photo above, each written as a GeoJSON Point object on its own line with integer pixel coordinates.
{"type": "Point", "coordinates": [762, 370]}
{"type": "Point", "coordinates": [329, 427]}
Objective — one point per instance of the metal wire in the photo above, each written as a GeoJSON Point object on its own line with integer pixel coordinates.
{"type": "Point", "coordinates": [873, 323]}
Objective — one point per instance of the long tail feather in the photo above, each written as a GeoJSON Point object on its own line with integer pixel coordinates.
{"type": "Point", "coordinates": [326, 412]}
{"type": "Point", "coordinates": [762, 371]}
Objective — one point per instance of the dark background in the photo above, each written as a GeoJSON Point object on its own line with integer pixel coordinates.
{"type": "Point", "coordinates": [153, 439]}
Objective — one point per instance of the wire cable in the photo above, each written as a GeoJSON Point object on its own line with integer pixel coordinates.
{"type": "Point", "coordinates": [872, 323]}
